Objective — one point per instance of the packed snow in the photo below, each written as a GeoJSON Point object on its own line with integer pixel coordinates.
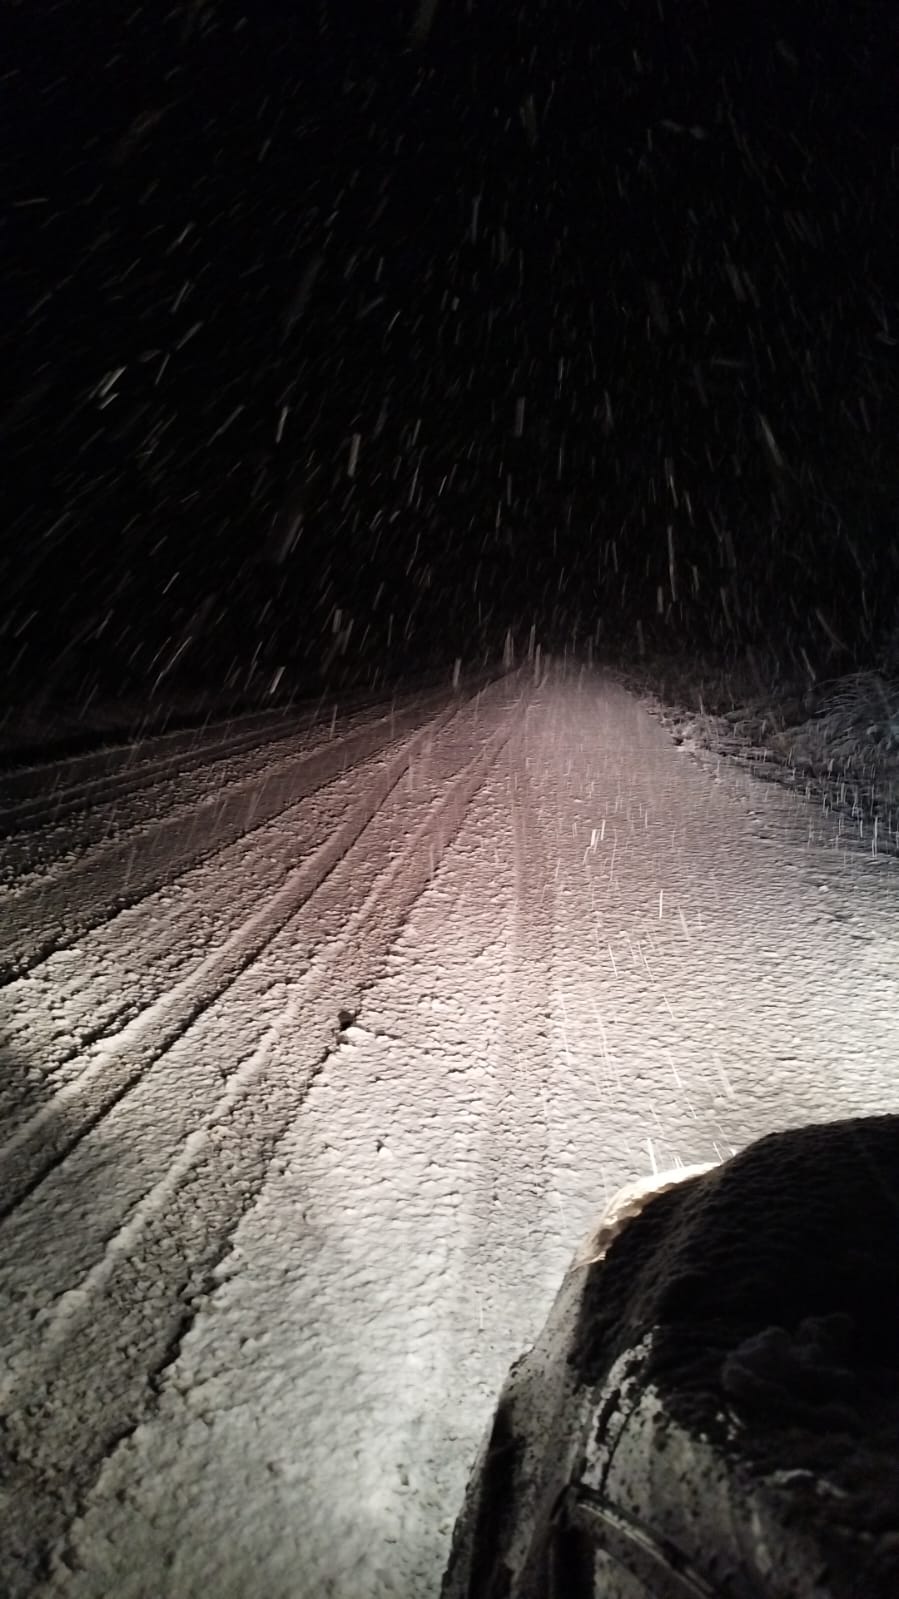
{"type": "Point", "coordinates": [321, 1059]}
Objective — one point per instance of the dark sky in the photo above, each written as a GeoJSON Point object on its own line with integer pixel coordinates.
{"type": "Point", "coordinates": [562, 314]}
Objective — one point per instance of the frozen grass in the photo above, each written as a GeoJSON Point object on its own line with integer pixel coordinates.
{"type": "Point", "coordinates": [835, 741]}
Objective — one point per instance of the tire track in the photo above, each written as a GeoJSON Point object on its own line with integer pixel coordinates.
{"type": "Point", "coordinates": [80, 996]}
{"type": "Point", "coordinates": [47, 915]}
{"type": "Point", "coordinates": [512, 1159]}
{"type": "Point", "coordinates": [77, 1396]}
{"type": "Point", "coordinates": [173, 753]}
{"type": "Point", "coordinates": [114, 1065]}
{"type": "Point", "coordinates": [29, 857]}
{"type": "Point", "coordinates": [55, 801]}
{"type": "Point", "coordinates": [32, 856]}
{"type": "Point", "coordinates": [31, 793]}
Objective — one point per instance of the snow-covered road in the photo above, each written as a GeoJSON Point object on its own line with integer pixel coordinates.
{"type": "Point", "coordinates": [321, 1047]}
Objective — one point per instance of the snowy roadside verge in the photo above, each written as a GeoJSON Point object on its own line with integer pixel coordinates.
{"type": "Point", "coordinates": [833, 742]}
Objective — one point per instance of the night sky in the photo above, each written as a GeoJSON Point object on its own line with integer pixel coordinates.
{"type": "Point", "coordinates": [342, 338]}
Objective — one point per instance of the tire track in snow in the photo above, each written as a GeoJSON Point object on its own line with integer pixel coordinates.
{"type": "Point", "coordinates": [30, 789]}
{"type": "Point", "coordinates": [517, 1201]}
{"type": "Point", "coordinates": [73, 1398]}
{"type": "Point", "coordinates": [31, 784]}
{"type": "Point", "coordinates": [113, 1066]}
{"type": "Point", "coordinates": [57, 800]}
{"type": "Point", "coordinates": [51, 1015]}
{"type": "Point", "coordinates": [80, 996]}
{"type": "Point", "coordinates": [30, 858]}
{"type": "Point", "coordinates": [120, 809]}
{"type": "Point", "coordinates": [49, 914]}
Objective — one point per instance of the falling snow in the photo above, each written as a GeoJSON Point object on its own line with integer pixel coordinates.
{"type": "Point", "coordinates": [329, 1052]}
{"type": "Point", "coordinates": [450, 735]}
